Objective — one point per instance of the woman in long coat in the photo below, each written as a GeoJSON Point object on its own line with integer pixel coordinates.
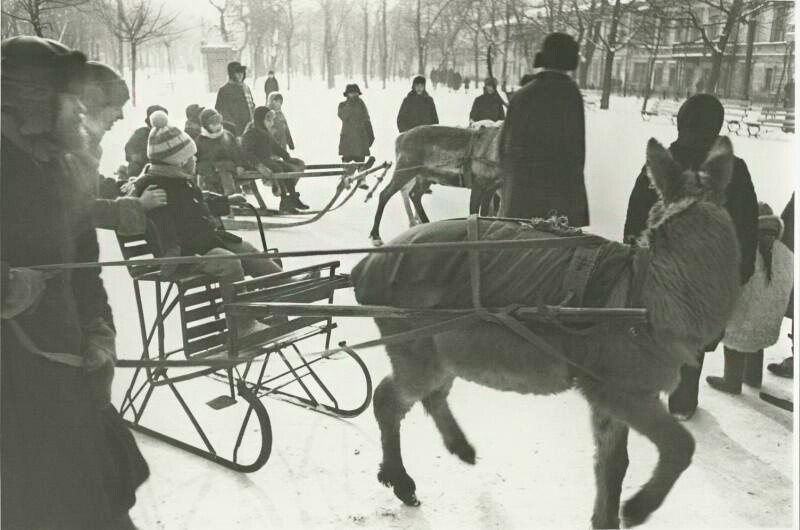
{"type": "Point", "coordinates": [543, 148]}
{"type": "Point", "coordinates": [68, 460]}
{"type": "Point", "coordinates": [357, 136]}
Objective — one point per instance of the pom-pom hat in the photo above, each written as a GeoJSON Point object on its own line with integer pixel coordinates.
{"type": "Point", "coordinates": [166, 144]}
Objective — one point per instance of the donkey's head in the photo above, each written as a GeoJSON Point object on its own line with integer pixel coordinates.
{"type": "Point", "coordinates": [678, 189]}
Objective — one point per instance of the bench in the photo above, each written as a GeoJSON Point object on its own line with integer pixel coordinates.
{"type": "Point", "coordinates": [736, 112]}
{"type": "Point", "coordinates": [769, 119]}
{"type": "Point", "coordinates": [661, 107]}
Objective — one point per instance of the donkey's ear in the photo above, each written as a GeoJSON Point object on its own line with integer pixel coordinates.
{"type": "Point", "coordinates": [663, 171]}
{"type": "Point", "coordinates": [717, 170]}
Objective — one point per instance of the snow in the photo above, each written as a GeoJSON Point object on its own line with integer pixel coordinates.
{"type": "Point", "coordinates": [534, 466]}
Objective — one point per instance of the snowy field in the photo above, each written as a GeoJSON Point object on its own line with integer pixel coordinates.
{"type": "Point", "coordinates": [534, 465]}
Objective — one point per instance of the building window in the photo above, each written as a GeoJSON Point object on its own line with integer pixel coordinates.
{"type": "Point", "coordinates": [639, 72]}
{"type": "Point", "coordinates": [778, 30]}
{"type": "Point", "coordinates": [768, 79]}
{"type": "Point", "coordinates": [673, 71]}
{"type": "Point", "coordinates": [658, 75]}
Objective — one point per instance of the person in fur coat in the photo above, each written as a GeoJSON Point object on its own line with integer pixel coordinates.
{"type": "Point", "coordinates": [756, 320]}
{"type": "Point", "coordinates": [357, 135]}
{"type": "Point", "coordinates": [218, 156]}
{"type": "Point", "coordinates": [68, 460]}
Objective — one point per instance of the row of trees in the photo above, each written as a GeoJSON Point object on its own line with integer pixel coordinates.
{"type": "Point", "coordinates": [386, 38]}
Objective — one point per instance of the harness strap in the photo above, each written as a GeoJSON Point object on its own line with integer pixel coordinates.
{"type": "Point", "coordinates": [578, 273]}
{"type": "Point", "coordinates": [474, 262]}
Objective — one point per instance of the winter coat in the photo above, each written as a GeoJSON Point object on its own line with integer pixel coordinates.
{"type": "Point", "coordinates": [280, 131]}
{"type": "Point", "coordinates": [235, 105]}
{"type": "Point", "coordinates": [787, 216]}
{"type": "Point", "coordinates": [542, 151]}
{"type": "Point", "coordinates": [186, 225]}
{"type": "Point", "coordinates": [260, 147]}
{"type": "Point", "coordinates": [416, 109]}
{"type": "Point", "coordinates": [65, 462]}
{"type": "Point", "coordinates": [136, 151]}
{"type": "Point", "coordinates": [756, 320]}
{"type": "Point", "coordinates": [487, 107]}
{"type": "Point", "coordinates": [270, 86]}
{"type": "Point", "coordinates": [356, 136]}
{"type": "Point", "coordinates": [193, 129]}
{"type": "Point", "coordinates": [217, 153]}
{"type": "Point", "coordinates": [741, 203]}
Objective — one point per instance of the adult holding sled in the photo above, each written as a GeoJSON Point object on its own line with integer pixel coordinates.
{"type": "Point", "coordinates": [417, 108]}
{"type": "Point", "coordinates": [699, 122]}
{"type": "Point", "coordinates": [68, 459]}
{"type": "Point", "coordinates": [234, 99]}
{"type": "Point", "coordinates": [542, 148]}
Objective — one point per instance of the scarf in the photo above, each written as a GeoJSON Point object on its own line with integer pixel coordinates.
{"type": "Point", "coordinates": [208, 134]}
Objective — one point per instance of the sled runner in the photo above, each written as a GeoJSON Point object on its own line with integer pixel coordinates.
{"type": "Point", "coordinates": [267, 363]}
{"type": "Point", "coordinates": [352, 177]}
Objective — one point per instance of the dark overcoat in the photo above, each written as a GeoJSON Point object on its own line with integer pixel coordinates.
{"type": "Point", "coordinates": [543, 151]}
{"type": "Point", "coordinates": [356, 136]}
{"type": "Point", "coordinates": [234, 105]}
{"type": "Point", "coordinates": [487, 107]}
{"type": "Point", "coordinates": [416, 109]}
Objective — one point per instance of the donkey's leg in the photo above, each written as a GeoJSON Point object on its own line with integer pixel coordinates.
{"type": "Point", "coordinates": [413, 218]}
{"type": "Point", "coordinates": [475, 200]}
{"type": "Point", "coordinates": [610, 465]}
{"type": "Point", "coordinates": [647, 415]}
{"type": "Point", "coordinates": [454, 440]}
{"type": "Point", "coordinates": [399, 179]}
{"type": "Point", "coordinates": [416, 199]}
{"type": "Point", "coordinates": [390, 408]}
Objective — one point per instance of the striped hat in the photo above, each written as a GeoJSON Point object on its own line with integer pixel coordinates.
{"type": "Point", "coordinates": [168, 145]}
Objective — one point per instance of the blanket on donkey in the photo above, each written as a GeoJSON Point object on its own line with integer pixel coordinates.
{"type": "Point", "coordinates": [527, 276]}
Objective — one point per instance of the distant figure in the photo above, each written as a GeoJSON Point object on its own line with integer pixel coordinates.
{"type": "Point", "coordinates": [487, 106]}
{"type": "Point", "coordinates": [542, 148]}
{"type": "Point", "coordinates": [788, 95]}
{"type": "Point", "coordinates": [417, 108]}
{"type": "Point", "coordinates": [234, 100]}
{"type": "Point", "coordinates": [434, 77]}
{"type": "Point", "coordinates": [193, 127]}
{"type": "Point", "coordinates": [270, 85]}
{"type": "Point", "coordinates": [357, 135]}
{"type": "Point", "coordinates": [466, 84]}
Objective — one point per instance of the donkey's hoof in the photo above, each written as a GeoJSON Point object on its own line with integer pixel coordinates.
{"type": "Point", "coordinates": [464, 451]}
{"type": "Point", "coordinates": [637, 509]}
{"type": "Point", "coordinates": [403, 486]}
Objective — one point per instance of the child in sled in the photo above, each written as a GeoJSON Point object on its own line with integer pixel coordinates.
{"type": "Point", "coordinates": [262, 152]}
{"type": "Point", "coordinates": [218, 156]}
{"type": "Point", "coordinates": [186, 226]}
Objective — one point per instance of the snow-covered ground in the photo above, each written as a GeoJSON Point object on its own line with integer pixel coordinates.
{"type": "Point", "coordinates": [534, 467]}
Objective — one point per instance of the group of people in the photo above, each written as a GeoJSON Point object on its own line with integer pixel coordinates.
{"type": "Point", "coordinates": [449, 78]}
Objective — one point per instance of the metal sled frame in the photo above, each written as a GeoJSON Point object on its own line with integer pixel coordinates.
{"type": "Point", "coordinates": [211, 348]}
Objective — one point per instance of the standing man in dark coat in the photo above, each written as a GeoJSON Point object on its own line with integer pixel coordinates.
{"type": "Point", "coordinates": [270, 85]}
{"type": "Point", "coordinates": [357, 136]}
{"type": "Point", "coordinates": [487, 106]}
{"type": "Point", "coordinates": [542, 148]}
{"type": "Point", "coordinates": [234, 100]}
{"type": "Point", "coordinates": [700, 120]}
{"type": "Point", "coordinates": [417, 108]}
{"type": "Point", "coordinates": [68, 460]}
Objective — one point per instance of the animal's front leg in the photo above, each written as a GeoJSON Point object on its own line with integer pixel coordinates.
{"type": "Point", "coordinates": [389, 410]}
{"type": "Point", "coordinates": [610, 465]}
{"type": "Point", "coordinates": [413, 218]}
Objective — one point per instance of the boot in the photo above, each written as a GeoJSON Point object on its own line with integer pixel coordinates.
{"type": "Point", "coordinates": [785, 368]}
{"type": "Point", "coordinates": [287, 204]}
{"type": "Point", "coordinates": [731, 382]}
{"type": "Point", "coordinates": [300, 205]}
{"type": "Point", "coordinates": [754, 369]}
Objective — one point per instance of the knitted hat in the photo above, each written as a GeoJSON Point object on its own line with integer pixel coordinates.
{"type": "Point", "coordinates": [103, 87]}
{"type": "Point", "coordinates": [701, 115]}
{"type": "Point", "coordinates": [193, 112]}
{"type": "Point", "coordinates": [768, 222]}
{"type": "Point", "coordinates": [209, 116]}
{"type": "Point", "coordinates": [351, 88]}
{"type": "Point", "coordinates": [419, 80]}
{"type": "Point", "coordinates": [166, 144]}
{"type": "Point", "coordinates": [559, 52]}
{"type": "Point", "coordinates": [149, 112]}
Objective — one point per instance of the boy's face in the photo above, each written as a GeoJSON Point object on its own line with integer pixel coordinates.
{"type": "Point", "coordinates": [275, 104]}
{"type": "Point", "coordinates": [269, 119]}
{"type": "Point", "coordinates": [214, 127]}
{"type": "Point", "coordinates": [419, 88]}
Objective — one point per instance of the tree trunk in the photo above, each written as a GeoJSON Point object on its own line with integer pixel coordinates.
{"type": "Point", "coordinates": [385, 50]}
{"type": "Point", "coordinates": [748, 58]}
{"type": "Point", "coordinates": [718, 56]}
{"type": "Point", "coordinates": [420, 46]}
{"type": "Point", "coordinates": [365, 55]}
{"type": "Point", "coordinates": [652, 63]}
{"type": "Point", "coordinates": [588, 54]}
{"type": "Point", "coordinates": [223, 29]}
{"type": "Point", "coordinates": [133, 73]}
{"type": "Point", "coordinates": [506, 41]}
{"type": "Point", "coordinates": [610, 51]}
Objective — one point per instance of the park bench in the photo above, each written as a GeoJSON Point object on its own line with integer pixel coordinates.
{"type": "Point", "coordinates": [661, 107]}
{"type": "Point", "coordinates": [768, 119]}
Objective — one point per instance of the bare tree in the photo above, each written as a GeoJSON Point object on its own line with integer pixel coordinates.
{"type": "Point", "coordinates": [618, 37]}
{"type": "Point", "coordinates": [423, 34]}
{"type": "Point", "coordinates": [333, 27]}
{"type": "Point", "coordinates": [136, 22]}
{"type": "Point", "coordinates": [221, 7]}
{"type": "Point", "coordinates": [365, 51]}
{"type": "Point", "coordinates": [34, 12]}
{"type": "Point", "coordinates": [385, 44]}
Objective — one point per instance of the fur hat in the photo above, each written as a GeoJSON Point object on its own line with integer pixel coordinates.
{"type": "Point", "coordinates": [149, 112]}
{"type": "Point", "coordinates": [166, 144]}
{"type": "Point", "coordinates": [193, 112]}
{"type": "Point", "coordinates": [701, 115]}
{"type": "Point", "coordinates": [352, 87]}
{"type": "Point", "coordinates": [559, 52]}
{"type": "Point", "coordinates": [209, 116]}
{"type": "Point", "coordinates": [419, 80]}
{"type": "Point", "coordinates": [490, 81]}
{"type": "Point", "coordinates": [235, 67]}
{"type": "Point", "coordinates": [103, 87]}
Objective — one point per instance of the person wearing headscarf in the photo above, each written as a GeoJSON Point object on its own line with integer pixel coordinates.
{"type": "Point", "coordinates": [265, 155]}
{"type": "Point", "coordinates": [417, 108]}
{"type": "Point", "coordinates": [234, 99]}
{"type": "Point", "coordinates": [699, 122]}
{"type": "Point", "coordinates": [356, 136]}
{"type": "Point", "coordinates": [543, 142]}
{"type": "Point", "coordinates": [487, 106]}
{"type": "Point", "coordinates": [68, 460]}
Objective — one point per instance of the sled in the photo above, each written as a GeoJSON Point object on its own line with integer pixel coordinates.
{"type": "Point", "coordinates": [269, 363]}
{"type": "Point", "coordinates": [352, 177]}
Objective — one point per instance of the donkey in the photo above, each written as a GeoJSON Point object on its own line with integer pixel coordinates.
{"type": "Point", "coordinates": [451, 156]}
{"type": "Point", "coordinates": [688, 289]}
